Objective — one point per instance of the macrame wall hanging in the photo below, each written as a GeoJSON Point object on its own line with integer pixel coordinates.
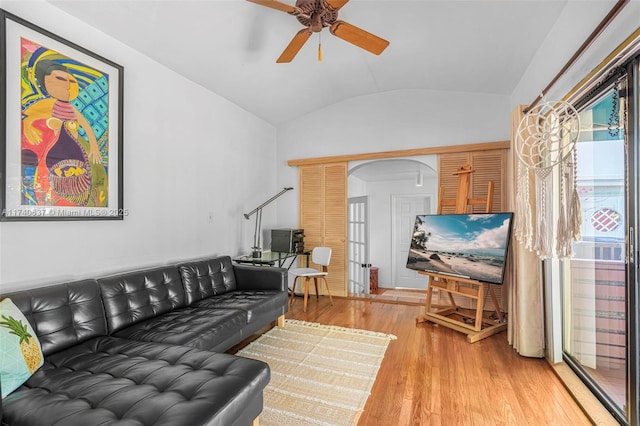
{"type": "Point", "coordinates": [546, 137]}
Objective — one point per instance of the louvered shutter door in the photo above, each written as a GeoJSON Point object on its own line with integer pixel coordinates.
{"type": "Point", "coordinates": [490, 165]}
{"type": "Point", "coordinates": [447, 181]}
{"type": "Point", "coordinates": [335, 231]}
{"type": "Point", "coordinates": [323, 216]}
{"type": "Point", "coordinates": [310, 219]}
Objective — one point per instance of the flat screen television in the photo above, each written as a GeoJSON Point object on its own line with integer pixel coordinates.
{"type": "Point", "coordinates": [472, 246]}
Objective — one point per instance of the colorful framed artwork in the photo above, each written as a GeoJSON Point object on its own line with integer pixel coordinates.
{"type": "Point", "coordinates": [61, 124]}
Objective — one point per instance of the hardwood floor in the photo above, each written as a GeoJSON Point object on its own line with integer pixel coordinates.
{"type": "Point", "coordinates": [431, 376]}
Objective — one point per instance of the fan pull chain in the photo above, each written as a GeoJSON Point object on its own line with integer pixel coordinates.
{"type": "Point", "coordinates": [320, 47]}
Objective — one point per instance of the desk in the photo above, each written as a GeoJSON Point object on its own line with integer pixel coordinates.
{"type": "Point", "coordinates": [272, 258]}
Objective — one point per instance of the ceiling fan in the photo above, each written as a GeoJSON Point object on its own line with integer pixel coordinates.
{"type": "Point", "coordinates": [317, 14]}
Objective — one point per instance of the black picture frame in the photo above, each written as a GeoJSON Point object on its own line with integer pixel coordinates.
{"type": "Point", "coordinates": [61, 120]}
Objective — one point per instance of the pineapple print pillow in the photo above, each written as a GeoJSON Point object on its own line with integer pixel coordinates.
{"type": "Point", "coordinates": [20, 352]}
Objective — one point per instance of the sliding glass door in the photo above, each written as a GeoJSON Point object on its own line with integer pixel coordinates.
{"type": "Point", "coordinates": [599, 309]}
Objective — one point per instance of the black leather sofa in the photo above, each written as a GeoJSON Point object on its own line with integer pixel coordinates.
{"type": "Point", "coordinates": [145, 347]}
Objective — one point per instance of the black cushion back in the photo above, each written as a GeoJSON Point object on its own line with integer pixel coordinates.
{"type": "Point", "coordinates": [207, 278]}
{"type": "Point", "coordinates": [63, 315]}
{"type": "Point", "coordinates": [136, 296]}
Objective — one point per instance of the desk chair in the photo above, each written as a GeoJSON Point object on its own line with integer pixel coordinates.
{"type": "Point", "coordinates": [320, 256]}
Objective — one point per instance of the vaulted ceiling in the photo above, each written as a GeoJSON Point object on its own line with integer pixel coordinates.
{"type": "Point", "coordinates": [230, 47]}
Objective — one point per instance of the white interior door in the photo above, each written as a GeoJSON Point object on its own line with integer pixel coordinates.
{"type": "Point", "coordinates": [404, 211]}
{"type": "Point", "coordinates": [358, 257]}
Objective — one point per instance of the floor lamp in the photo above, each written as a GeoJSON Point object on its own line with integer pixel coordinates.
{"type": "Point", "coordinates": [256, 250]}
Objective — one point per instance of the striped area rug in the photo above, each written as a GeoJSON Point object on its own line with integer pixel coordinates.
{"type": "Point", "coordinates": [320, 374]}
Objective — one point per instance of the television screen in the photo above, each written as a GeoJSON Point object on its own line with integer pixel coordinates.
{"type": "Point", "coordinates": [472, 246]}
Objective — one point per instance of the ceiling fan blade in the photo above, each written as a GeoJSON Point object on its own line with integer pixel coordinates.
{"type": "Point", "coordinates": [294, 46]}
{"type": "Point", "coordinates": [336, 4]}
{"type": "Point", "coordinates": [359, 37]}
{"type": "Point", "coordinates": [278, 5]}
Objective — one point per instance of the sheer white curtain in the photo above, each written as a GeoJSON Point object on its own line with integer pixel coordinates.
{"type": "Point", "coordinates": [525, 331]}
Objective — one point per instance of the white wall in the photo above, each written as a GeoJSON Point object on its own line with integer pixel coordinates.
{"type": "Point", "coordinates": [387, 121]}
{"type": "Point", "coordinates": [563, 41]}
{"type": "Point", "coordinates": [357, 187]}
{"type": "Point", "coordinates": [188, 154]}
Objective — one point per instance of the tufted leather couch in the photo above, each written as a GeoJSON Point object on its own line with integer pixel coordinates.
{"type": "Point", "coordinates": [144, 348]}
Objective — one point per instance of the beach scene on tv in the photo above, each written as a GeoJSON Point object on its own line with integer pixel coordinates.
{"type": "Point", "coordinates": [472, 246]}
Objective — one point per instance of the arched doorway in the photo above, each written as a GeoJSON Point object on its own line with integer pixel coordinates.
{"type": "Point", "coordinates": [384, 197]}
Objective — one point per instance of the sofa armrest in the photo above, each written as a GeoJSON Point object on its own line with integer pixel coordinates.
{"type": "Point", "coordinates": [260, 278]}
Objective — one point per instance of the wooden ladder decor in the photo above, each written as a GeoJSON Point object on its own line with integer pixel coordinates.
{"type": "Point", "coordinates": [476, 327]}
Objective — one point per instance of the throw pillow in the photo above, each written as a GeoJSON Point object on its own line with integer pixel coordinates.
{"type": "Point", "coordinates": [20, 351]}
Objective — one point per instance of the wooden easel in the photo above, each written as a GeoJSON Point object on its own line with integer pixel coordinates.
{"type": "Point", "coordinates": [476, 327]}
